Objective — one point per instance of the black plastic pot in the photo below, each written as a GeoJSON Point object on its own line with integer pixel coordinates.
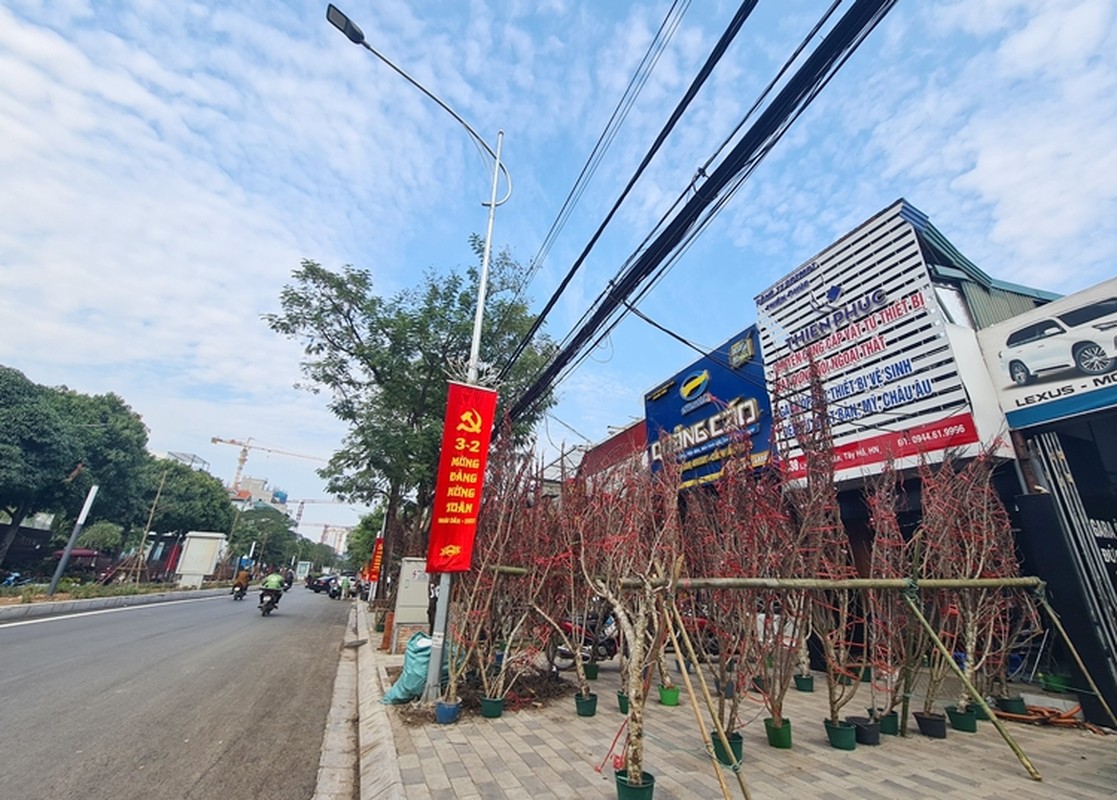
{"type": "Point", "coordinates": [868, 731]}
{"type": "Point", "coordinates": [931, 725]}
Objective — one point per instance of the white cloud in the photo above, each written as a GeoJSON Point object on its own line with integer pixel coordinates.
{"type": "Point", "coordinates": [166, 167]}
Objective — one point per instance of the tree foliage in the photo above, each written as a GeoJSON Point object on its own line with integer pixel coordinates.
{"type": "Point", "coordinates": [56, 443]}
{"type": "Point", "coordinates": [190, 500]}
{"type": "Point", "coordinates": [104, 536]}
{"type": "Point", "coordinates": [385, 362]}
{"type": "Point", "coordinates": [358, 547]}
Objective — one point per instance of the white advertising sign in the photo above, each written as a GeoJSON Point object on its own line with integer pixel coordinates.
{"type": "Point", "coordinates": [1058, 360]}
{"type": "Point", "coordinates": [865, 313]}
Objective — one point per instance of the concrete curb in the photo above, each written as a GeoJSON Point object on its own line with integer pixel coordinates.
{"type": "Point", "coordinates": [25, 611]}
{"type": "Point", "coordinates": [376, 748]}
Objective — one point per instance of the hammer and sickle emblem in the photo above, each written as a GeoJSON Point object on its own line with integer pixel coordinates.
{"type": "Point", "coordinates": [470, 422]}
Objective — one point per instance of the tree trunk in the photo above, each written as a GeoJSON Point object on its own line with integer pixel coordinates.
{"type": "Point", "coordinates": [390, 534]}
{"type": "Point", "coordinates": [9, 535]}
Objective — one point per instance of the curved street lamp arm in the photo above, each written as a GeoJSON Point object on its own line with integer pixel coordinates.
{"type": "Point", "coordinates": [339, 20]}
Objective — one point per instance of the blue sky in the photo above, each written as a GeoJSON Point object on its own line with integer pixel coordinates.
{"type": "Point", "coordinates": [165, 167]}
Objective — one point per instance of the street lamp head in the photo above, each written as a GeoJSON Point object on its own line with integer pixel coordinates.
{"type": "Point", "coordinates": [338, 19]}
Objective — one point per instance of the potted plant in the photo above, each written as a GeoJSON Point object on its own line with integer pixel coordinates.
{"type": "Point", "coordinates": [824, 546]}
{"type": "Point", "coordinates": [626, 546]}
{"type": "Point", "coordinates": [982, 546]}
{"type": "Point", "coordinates": [896, 642]}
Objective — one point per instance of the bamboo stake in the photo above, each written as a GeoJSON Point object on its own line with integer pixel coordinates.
{"type": "Point", "coordinates": [1074, 652]}
{"type": "Point", "coordinates": [970, 687]}
{"type": "Point", "coordinates": [709, 701]}
{"type": "Point", "coordinates": [694, 705]}
{"type": "Point", "coordinates": [847, 583]}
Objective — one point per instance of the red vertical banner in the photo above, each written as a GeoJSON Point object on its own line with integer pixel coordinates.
{"type": "Point", "coordinates": [461, 474]}
{"type": "Point", "coordinates": [375, 559]}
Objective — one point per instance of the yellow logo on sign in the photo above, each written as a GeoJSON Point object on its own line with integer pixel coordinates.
{"type": "Point", "coordinates": [470, 422]}
{"type": "Point", "coordinates": [450, 550]}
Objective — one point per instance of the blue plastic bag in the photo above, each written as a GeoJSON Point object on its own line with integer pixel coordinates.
{"type": "Point", "coordinates": [416, 661]}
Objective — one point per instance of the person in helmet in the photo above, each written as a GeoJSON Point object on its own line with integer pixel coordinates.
{"type": "Point", "coordinates": [273, 581]}
{"type": "Point", "coordinates": [241, 580]}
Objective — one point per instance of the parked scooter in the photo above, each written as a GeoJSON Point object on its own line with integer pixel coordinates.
{"type": "Point", "coordinates": [599, 642]}
{"type": "Point", "coordinates": [16, 579]}
{"type": "Point", "coordinates": [269, 599]}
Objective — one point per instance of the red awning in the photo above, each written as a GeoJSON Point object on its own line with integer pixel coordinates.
{"type": "Point", "coordinates": [78, 552]}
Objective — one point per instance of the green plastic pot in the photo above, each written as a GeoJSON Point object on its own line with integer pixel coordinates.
{"type": "Point", "coordinates": [736, 748]}
{"type": "Point", "coordinates": [804, 683]}
{"type": "Point", "coordinates": [1012, 705]}
{"type": "Point", "coordinates": [669, 695]}
{"type": "Point", "coordinates": [965, 721]}
{"type": "Point", "coordinates": [842, 735]}
{"type": "Point", "coordinates": [626, 791]}
{"type": "Point", "coordinates": [622, 702]}
{"type": "Point", "coordinates": [590, 668]}
{"type": "Point", "coordinates": [778, 737]}
{"type": "Point", "coordinates": [890, 723]}
{"type": "Point", "coordinates": [587, 706]}
{"type": "Point", "coordinates": [492, 707]}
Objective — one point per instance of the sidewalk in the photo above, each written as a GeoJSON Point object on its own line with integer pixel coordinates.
{"type": "Point", "coordinates": [553, 753]}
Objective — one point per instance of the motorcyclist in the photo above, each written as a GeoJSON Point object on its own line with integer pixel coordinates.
{"type": "Point", "coordinates": [288, 579]}
{"type": "Point", "coordinates": [241, 580]}
{"type": "Point", "coordinates": [274, 581]}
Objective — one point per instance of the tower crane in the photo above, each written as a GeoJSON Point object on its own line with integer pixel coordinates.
{"type": "Point", "coordinates": [302, 505]}
{"type": "Point", "coordinates": [247, 445]}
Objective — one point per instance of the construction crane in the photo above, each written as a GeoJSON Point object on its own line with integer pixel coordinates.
{"type": "Point", "coordinates": [247, 445]}
{"type": "Point", "coordinates": [302, 506]}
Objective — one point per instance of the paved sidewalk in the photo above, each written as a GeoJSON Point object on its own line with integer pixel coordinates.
{"type": "Point", "coordinates": [553, 753]}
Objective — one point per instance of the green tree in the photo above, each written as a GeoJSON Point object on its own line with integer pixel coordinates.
{"type": "Point", "coordinates": [112, 442]}
{"type": "Point", "coordinates": [358, 547]}
{"type": "Point", "coordinates": [103, 535]}
{"type": "Point", "coordinates": [271, 530]}
{"type": "Point", "coordinates": [39, 452]}
{"type": "Point", "coordinates": [190, 500]}
{"type": "Point", "coordinates": [385, 364]}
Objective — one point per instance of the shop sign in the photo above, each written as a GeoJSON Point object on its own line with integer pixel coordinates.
{"type": "Point", "coordinates": [714, 409]}
{"type": "Point", "coordinates": [1058, 360]}
{"type": "Point", "coordinates": [863, 314]}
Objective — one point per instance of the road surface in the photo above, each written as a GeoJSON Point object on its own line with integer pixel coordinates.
{"type": "Point", "coordinates": [201, 699]}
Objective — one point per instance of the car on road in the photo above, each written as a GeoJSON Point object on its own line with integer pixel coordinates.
{"type": "Point", "coordinates": [322, 583]}
{"type": "Point", "coordinates": [1083, 338]}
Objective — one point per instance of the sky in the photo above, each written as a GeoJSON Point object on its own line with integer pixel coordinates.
{"type": "Point", "coordinates": [164, 167]}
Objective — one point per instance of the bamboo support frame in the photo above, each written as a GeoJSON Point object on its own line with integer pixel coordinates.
{"type": "Point", "coordinates": [973, 692]}
{"type": "Point", "coordinates": [693, 657]}
{"type": "Point", "coordinates": [848, 583]}
{"type": "Point", "coordinates": [909, 587]}
{"type": "Point", "coordinates": [1077, 659]}
{"type": "Point", "coordinates": [694, 703]}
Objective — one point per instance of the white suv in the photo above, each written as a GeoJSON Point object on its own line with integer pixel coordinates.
{"type": "Point", "coordinates": [1084, 338]}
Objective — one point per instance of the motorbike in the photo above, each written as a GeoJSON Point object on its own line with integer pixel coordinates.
{"type": "Point", "coordinates": [269, 599]}
{"type": "Point", "coordinates": [17, 579]}
{"type": "Point", "coordinates": [239, 591]}
{"type": "Point", "coordinates": [598, 642]}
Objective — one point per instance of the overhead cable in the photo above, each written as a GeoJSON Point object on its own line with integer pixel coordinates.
{"type": "Point", "coordinates": [715, 56]}
{"type": "Point", "coordinates": [848, 33]}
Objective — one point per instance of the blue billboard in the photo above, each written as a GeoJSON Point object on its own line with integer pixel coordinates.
{"type": "Point", "coordinates": [715, 408]}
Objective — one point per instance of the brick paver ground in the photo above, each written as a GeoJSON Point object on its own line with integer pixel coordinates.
{"type": "Point", "coordinates": [551, 752]}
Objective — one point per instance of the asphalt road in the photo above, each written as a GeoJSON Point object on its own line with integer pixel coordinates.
{"type": "Point", "coordinates": [202, 699]}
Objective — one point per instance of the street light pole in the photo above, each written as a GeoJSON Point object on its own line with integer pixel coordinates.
{"type": "Point", "coordinates": [339, 20]}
